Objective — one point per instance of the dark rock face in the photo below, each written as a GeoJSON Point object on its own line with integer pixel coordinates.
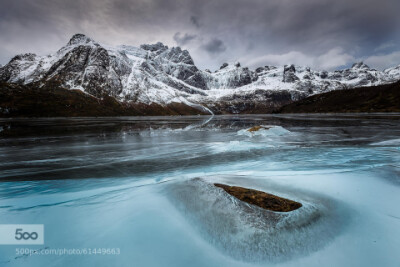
{"type": "Point", "coordinates": [223, 66]}
{"type": "Point", "coordinates": [197, 80]}
{"type": "Point", "coordinates": [27, 57]}
{"type": "Point", "coordinates": [289, 74]}
{"type": "Point", "coordinates": [15, 66]}
{"type": "Point", "coordinates": [260, 69]}
{"type": "Point", "coordinates": [184, 70]}
{"type": "Point", "coordinates": [154, 47]}
{"type": "Point", "coordinates": [94, 62]}
{"type": "Point", "coordinates": [7, 71]}
{"type": "Point", "coordinates": [290, 68]}
{"type": "Point", "coordinates": [177, 55]}
{"type": "Point", "coordinates": [245, 77]}
{"type": "Point", "coordinates": [323, 75]}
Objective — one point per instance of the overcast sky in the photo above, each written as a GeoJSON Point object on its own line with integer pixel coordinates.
{"type": "Point", "coordinates": [323, 34]}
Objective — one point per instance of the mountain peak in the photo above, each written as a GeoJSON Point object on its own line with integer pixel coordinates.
{"type": "Point", "coordinates": [223, 66]}
{"type": "Point", "coordinates": [154, 47]}
{"type": "Point", "coordinates": [79, 38]}
{"type": "Point", "coordinates": [360, 65]}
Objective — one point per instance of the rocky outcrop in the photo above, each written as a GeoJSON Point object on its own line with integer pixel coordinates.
{"type": "Point", "coordinates": [289, 74]}
{"type": "Point", "coordinates": [257, 128]}
{"type": "Point", "coordinates": [230, 76]}
{"type": "Point", "coordinates": [158, 47]}
{"type": "Point", "coordinates": [223, 66]}
{"type": "Point", "coordinates": [261, 199]}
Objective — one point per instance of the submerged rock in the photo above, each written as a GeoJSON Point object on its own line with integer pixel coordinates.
{"type": "Point", "coordinates": [257, 128]}
{"type": "Point", "coordinates": [249, 232]}
{"type": "Point", "coordinates": [261, 199]}
{"type": "Point", "coordinates": [264, 130]}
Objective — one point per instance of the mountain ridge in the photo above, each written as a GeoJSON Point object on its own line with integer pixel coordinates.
{"type": "Point", "coordinates": [155, 73]}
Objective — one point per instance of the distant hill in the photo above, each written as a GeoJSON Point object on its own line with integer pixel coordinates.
{"type": "Point", "coordinates": [381, 98]}
{"type": "Point", "coordinates": [54, 101]}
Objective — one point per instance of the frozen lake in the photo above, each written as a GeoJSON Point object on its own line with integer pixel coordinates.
{"type": "Point", "coordinates": [132, 184]}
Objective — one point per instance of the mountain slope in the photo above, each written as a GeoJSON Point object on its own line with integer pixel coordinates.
{"type": "Point", "coordinates": [381, 98]}
{"type": "Point", "coordinates": [53, 101]}
{"type": "Point", "coordinates": [157, 74]}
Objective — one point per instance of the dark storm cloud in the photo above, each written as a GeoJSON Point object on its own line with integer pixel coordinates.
{"type": "Point", "coordinates": [183, 39]}
{"type": "Point", "coordinates": [214, 46]}
{"type": "Point", "coordinates": [324, 33]}
{"type": "Point", "coordinates": [195, 21]}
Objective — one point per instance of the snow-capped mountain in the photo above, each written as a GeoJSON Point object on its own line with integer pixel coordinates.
{"type": "Point", "coordinates": [155, 73]}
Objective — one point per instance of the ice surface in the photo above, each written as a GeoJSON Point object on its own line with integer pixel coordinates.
{"type": "Point", "coordinates": [249, 233]}
{"type": "Point", "coordinates": [392, 142]}
{"type": "Point", "coordinates": [144, 185]}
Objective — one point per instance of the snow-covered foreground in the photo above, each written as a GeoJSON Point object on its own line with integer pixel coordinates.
{"type": "Point", "coordinates": [128, 184]}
